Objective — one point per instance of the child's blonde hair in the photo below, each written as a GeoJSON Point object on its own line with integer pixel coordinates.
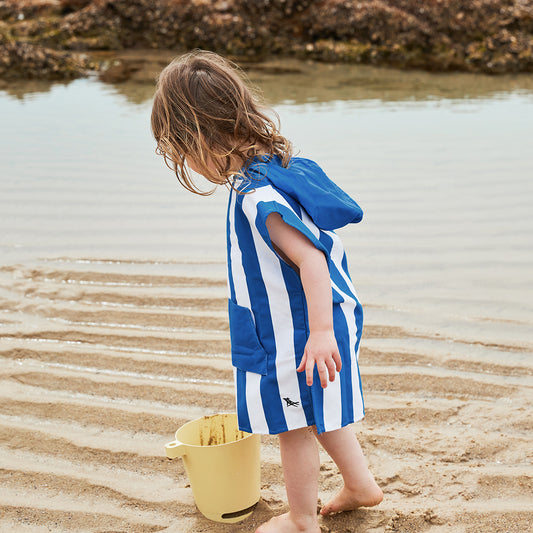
{"type": "Point", "coordinates": [204, 110]}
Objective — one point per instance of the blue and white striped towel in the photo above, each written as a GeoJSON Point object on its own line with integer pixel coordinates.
{"type": "Point", "coordinates": [267, 307]}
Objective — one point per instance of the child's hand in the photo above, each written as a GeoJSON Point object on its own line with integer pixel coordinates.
{"type": "Point", "coordinates": [321, 350]}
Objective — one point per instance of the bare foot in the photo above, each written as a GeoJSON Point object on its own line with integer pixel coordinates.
{"type": "Point", "coordinates": [286, 524]}
{"type": "Point", "coordinates": [348, 500]}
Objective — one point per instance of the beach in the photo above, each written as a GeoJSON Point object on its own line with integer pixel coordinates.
{"type": "Point", "coordinates": [113, 302]}
{"type": "Point", "coordinates": [100, 366]}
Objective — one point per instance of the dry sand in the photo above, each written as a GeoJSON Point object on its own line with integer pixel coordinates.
{"type": "Point", "coordinates": [101, 363]}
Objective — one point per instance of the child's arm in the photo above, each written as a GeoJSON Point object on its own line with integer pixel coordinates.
{"type": "Point", "coordinates": [321, 348]}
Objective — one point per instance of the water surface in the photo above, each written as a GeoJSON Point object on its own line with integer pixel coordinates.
{"type": "Point", "coordinates": [440, 164]}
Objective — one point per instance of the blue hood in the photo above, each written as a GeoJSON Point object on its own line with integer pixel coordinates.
{"type": "Point", "coordinates": [326, 203]}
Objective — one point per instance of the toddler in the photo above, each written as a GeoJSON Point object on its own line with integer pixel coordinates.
{"type": "Point", "coordinates": [295, 320]}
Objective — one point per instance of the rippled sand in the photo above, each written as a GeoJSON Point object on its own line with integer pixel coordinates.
{"type": "Point", "coordinates": [103, 360]}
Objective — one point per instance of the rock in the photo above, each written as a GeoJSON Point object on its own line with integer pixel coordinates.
{"type": "Point", "coordinates": [474, 35]}
{"type": "Point", "coordinates": [5, 33]}
{"type": "Point", "coordinates": [24, 9]}
{"type": "Point", "coordinates": [68, 6]}
{"type": "Point", "coordinates": [25, 60]}
{"type": "Point", "coordinates": [118, 71]}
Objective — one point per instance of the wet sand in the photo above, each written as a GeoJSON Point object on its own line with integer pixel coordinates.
{"type": "Point", "coordinates": [103, 360]}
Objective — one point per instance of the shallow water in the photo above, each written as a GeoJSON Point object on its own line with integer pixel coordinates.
{"type": "Point", "coordinates": [440, 163]}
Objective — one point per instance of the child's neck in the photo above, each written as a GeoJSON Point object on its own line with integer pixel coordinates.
{"type": "Point", "coordinates": [258, 150]}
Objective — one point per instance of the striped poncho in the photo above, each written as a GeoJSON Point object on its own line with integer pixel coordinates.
{"type": "Point", "coordinates": [267, 307]}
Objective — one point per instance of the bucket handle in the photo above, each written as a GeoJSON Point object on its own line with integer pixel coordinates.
{"type": "Point", "coordinates": [175, 449]}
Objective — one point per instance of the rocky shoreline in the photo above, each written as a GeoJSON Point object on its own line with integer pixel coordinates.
{"type": "Point", "coordinates": [62, 39]}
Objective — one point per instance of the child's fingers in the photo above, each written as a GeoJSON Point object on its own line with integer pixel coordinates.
{"type": "Point", "coordinates": [331, 365]}
{"type": "Point", "coordinates": [301, 366]}
{"type": "Point", "coordinates": [323, 373]}
{"type": "Point", "coordinates": [309, 369]}
{"type": "Point", "coordinates": [338, 360]}
{"type": "Point", "coordinates": [327, 368]}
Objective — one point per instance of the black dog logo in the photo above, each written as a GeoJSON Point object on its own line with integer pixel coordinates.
{"type": "Point", "coordinates": [290, 403]}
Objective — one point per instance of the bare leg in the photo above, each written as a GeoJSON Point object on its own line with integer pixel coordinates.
{"type": "Point", "coordinates": [301, 466]}
{"type": "Point", "coordinates": [360, 489]}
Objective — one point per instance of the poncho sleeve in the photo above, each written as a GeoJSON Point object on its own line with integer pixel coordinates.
{"type": "Point", "coordinates": [265, 200]}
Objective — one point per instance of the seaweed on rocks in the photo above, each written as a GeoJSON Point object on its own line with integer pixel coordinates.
{"type": "Point", "coordinates": [25, 60]}
{"type": "Point", "coordinates": [16, 10]}
{"type": "Point", "coordinates": [491, 36]}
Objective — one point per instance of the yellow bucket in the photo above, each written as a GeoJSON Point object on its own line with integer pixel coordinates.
{"type": "Point", "coordinates": [223, 466]}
